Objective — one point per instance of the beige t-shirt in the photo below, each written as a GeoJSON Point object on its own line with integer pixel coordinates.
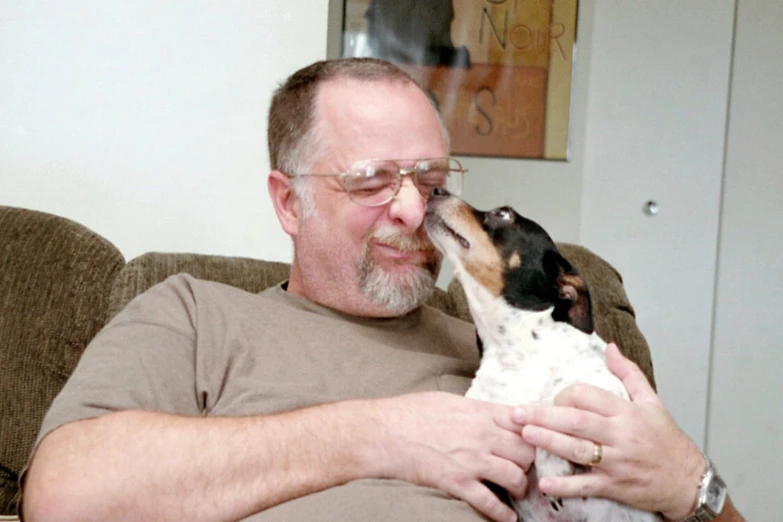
{"type": "Point", "coordinates": [199, 348]}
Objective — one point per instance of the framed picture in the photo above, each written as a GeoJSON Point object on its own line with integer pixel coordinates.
{"type": "Point", "coordinates": [499, 70]}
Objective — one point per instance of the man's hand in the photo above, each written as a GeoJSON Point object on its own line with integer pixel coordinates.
{"type": "Point", "coordinates": [451, 443]}
{"type": "Point", "coordinates": [648, 462]}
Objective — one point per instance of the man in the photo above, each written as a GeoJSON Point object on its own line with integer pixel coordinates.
{"type": "Point", "coordinates": [327, 397]}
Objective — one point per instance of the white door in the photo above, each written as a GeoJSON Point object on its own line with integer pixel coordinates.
{"type": "Point", "coordinates": [656, 121]}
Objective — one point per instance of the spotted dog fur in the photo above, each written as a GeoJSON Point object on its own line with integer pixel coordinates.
{"type": "Point", "coordinates": [534, 322]}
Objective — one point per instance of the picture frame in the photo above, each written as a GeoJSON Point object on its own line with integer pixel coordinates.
{"type": "Point", "coordinates": [500, 71]}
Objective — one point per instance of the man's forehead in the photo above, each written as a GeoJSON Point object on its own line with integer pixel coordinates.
{"type": "Point", "coordinates": [374, 92]}
{"type": "Point", "coordinates": [376, 119]}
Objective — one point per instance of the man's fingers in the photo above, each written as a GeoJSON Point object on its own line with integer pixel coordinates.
{"type": "Point", "coordinates": [509, 476]}
{"type": "Point", "coordinates": [633, 378]}
{"type": "Point", "coordinates": [567, 420]}
{"type": "Point", "coordinates": [573, 449]}
{"type": "Point", "coordinates": [512, 447]}
{"type": "Point", "coordinates": [504, 417]}
{"type": "Point", "coordinates": [592, 399]}
{"type": "Point", "coordinates": [509, 444]}
{"type": "Point", "coordinates": [583, 485]}
{"type": "Point", "coordinates": [484, 501]}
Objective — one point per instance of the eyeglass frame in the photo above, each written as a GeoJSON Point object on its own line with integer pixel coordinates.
{"type": "Point", "coordinates": [401, 172]}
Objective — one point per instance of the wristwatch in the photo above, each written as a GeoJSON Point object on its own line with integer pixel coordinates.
{"type": "Point", "coordinates": [712, 496]}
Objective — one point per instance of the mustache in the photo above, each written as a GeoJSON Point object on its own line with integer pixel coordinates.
{"type": "Point", "coordinates": [403, 242]}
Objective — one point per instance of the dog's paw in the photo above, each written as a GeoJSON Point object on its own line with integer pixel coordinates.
{"type": "Point", "coordinates": [556, 503]}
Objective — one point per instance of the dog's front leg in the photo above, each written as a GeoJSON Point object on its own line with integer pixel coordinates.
{"type": "Point", "coordinates": [549, 465]}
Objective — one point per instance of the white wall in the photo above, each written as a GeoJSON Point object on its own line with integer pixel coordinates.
{"type": "Point", "coordinates": [146, 120]}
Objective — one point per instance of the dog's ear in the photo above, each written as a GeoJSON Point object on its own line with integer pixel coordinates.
{"type": "Point", "coordinates": [573, 304]}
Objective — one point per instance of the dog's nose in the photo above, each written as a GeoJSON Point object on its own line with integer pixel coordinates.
{"type": "Point", "coordinates": [439, 192]}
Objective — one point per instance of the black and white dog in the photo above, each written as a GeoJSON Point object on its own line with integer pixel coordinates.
{"type": "Point", "coordinates": [534, 322]}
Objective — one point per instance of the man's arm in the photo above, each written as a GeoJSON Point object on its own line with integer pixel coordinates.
{"type": "Point", "coordinates": [222, 469]}
{"type": "Point", "coordinates": [648, 462]}
{"type": "Point", "coordinates": [184, 468]}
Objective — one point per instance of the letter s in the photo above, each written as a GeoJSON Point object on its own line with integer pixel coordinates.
{"type": "Point", "coordinates": [489, 127]}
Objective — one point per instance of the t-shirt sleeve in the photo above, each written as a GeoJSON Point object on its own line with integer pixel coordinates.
{"type": "Point", "coordinates": [144, 359]}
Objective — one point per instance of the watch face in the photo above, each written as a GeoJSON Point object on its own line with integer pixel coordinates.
{"type": "Point", "coordinates": [716, 494]}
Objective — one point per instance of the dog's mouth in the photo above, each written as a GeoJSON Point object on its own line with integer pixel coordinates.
{"type": "Point", "coordinates": [435, 219]}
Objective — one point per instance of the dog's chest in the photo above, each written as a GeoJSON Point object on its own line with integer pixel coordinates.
{"type": "Point", "coordinates": [532, 362]}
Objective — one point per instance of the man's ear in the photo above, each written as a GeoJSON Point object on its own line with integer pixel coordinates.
{"type": "Point", "coordinates": [573, 304]}
{"type": "Point", "coordinates": [285, 201]}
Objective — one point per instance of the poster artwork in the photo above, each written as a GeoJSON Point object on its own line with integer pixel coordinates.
{"type": "Point", "coordinates": [499, 70]}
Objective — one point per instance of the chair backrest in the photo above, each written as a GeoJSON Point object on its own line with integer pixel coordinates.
{"type": "Point", "coordinates": [55, 279]}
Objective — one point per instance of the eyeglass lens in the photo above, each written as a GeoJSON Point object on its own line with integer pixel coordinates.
{"type": "Point", "coordinates": [375, 182]}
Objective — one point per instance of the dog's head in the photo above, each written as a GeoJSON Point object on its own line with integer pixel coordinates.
{"type": "Point", "coordinates": [509, 256]}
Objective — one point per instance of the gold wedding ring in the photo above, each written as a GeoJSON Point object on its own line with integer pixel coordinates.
{"type": "Point", "coordinates": [598, 454]}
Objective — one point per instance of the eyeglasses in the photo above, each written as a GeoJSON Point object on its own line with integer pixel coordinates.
{"type": "Point", "coordinates": [372, 183]}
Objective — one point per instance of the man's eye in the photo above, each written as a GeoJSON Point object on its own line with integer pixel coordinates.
{"type": "Point", "coordinates": [367, 191]}
{"type": "Point", "coordinates": [370, 185]}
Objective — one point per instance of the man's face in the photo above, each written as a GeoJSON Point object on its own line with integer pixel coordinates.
{"type": "Point", "coordinates": [371, 261]}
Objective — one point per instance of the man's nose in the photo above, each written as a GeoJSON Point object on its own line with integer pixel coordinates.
{"type": "Point", "coordinates": [409, 205]}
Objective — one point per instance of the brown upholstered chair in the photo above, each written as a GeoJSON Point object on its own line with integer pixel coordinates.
{"type": "Point", "coordinates": [55, 280]}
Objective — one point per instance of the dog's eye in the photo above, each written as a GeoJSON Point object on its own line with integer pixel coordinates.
{"type": "Point", "coordinates": [503, 214]}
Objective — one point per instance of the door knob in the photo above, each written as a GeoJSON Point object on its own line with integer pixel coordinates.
{"type": "Point", "coordinates": [651, 208]}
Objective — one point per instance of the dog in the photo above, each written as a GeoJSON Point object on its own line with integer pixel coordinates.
{"type": "Point", "coordinates": [534, 325]}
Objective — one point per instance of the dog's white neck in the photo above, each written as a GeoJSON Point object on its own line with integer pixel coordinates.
{"type": "Point", "coordinates": [500, 325]}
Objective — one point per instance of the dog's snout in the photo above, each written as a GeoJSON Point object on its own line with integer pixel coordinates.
{"type": "Point", "coordinates": [439, 192]}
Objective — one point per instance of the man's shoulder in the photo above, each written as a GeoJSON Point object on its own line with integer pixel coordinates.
{"type": "Point", "coordinates": [185, 283]}
{"type": "Point", "coordinates": [184, 293]}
